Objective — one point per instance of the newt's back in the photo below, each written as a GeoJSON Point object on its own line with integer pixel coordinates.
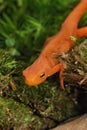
{"type": "Point", "coordinates": [62, 41]}
{"type": "Point", "coordinates": [74, 17]}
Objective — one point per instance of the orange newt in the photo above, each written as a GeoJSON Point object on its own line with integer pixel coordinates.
{"type": "Point", "coordinates": [47, 64]}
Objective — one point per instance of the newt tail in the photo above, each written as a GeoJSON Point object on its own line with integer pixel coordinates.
{"type": "Point", "coordinates": [48, 63]}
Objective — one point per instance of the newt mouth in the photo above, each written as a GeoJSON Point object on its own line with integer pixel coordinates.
{"type": "Point", "coordinates": [30, 82]}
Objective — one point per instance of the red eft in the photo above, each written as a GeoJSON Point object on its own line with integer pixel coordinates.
{"type": "Point", "coordinates": [47, 64]}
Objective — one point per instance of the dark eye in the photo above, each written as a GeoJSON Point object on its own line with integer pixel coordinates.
{"type": "Point", "coordinates": [42, 75]}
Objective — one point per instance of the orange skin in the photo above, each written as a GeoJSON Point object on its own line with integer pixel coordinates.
{"type": "Point", "coordinates": [47, 64]}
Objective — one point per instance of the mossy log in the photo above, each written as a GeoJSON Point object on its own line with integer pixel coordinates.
{"type": "Point", "coordinates": [16, 115]}
{"type": "Point", "coordinates": [46, 104]}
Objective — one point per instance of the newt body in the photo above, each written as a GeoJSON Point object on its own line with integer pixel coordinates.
{"type": "Point", "coordinates": [47, 64]}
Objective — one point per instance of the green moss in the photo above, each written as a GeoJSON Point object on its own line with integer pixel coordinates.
{"type": "Point", "coordinates": [14, 114]}
{"type": "Point", "coordinates": [41, 106]}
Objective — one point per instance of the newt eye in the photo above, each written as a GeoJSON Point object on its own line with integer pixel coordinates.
{"type": "Point", "coordinates": [42, 75]}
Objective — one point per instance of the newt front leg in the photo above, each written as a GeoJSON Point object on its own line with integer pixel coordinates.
{"type": "Point", "coordinates": [58, 68]}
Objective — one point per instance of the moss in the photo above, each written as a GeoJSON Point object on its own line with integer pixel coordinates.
{"type": "Point", "coordinates": [39, 107]}
{"type": "Point", "coordinates": [14, 114]}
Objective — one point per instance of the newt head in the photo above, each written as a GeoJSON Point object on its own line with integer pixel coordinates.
{"type": "Point", "coordinates": [37, 72]}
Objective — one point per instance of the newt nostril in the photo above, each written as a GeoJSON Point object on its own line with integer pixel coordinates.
{"type": "Point", "coordinates": [27, 78]}
{"type": "Point", "coordinates": [24, 73]}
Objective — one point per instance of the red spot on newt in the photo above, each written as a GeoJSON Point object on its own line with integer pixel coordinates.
{"type": "Point", "coordinates": [46, 64]}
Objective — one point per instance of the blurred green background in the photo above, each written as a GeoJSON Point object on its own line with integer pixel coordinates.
{"type": "Point", "coordinates": [25, 24]}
